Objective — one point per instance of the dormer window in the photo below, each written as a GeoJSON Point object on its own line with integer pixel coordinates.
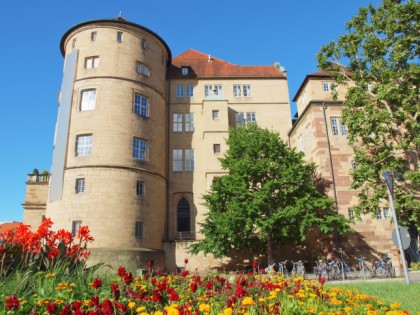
{"type": "Point", "coordinates": [184, 71]}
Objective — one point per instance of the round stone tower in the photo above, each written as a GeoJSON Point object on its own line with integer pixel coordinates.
{"type": "Point", "coordinates": [109, 165]}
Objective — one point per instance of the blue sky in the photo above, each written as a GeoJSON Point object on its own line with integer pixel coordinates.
{"type": "Point", "coordinates": [246, 32]}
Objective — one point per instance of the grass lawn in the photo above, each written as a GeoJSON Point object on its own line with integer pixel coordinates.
{"type": "Point", "coordinates": [408, 295]}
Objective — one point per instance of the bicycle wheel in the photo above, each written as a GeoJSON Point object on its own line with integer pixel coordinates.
{"type": "Point", "coordinates": [381, 272]}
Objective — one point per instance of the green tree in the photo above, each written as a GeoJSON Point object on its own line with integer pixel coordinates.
{"type": "Point", "coordinates": [268, 198]}
{"type": "Point", "coordinates": [378, 58]}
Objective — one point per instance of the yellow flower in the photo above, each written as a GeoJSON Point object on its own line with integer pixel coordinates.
{"type": "Point", "coordinates": [311, 309]}
{"type": "Point", "coordinates": [140, 309]}
{"type": "Point", "coordinates": [371, 312]}
{"type": "Point", "coordinates": [131, 304]}
{"type": "Point", "coordinates": [204, 308]}
{"type": "Point", "coordinates": [248, 301]}
{"type": "Point", "coordinates": [158, 313]}
{"type": "Point", "coordinates": [227, 311]}
{"type": "Point", "coordinates": [347, 309]}
{"type": "Point", "coordinates": [50, 275]}
{"type": "Point", "coordinates": [394, 305]}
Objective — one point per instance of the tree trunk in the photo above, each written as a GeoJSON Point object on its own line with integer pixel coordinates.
{"type": "Point", "coordinates": [270, 258]}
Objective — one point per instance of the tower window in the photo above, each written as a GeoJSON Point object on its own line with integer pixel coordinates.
{"type": "Point", "coordinates": [183, 216]}
{"type": "Point", "coordinates": [143, 69]}
{"type": "Point", "coordinates": [144, 44]}
{"type": "Point", "coordinates": [93, 36]}
{"type": "Point", "coordinates": [75, 226]}
{"type": "Point", "coordinates": [140, 188]}
{"type": "Point", "coordinates": [83, 145]}
{"type": "Point", "coordinates": [92, 62]}
{"type": "Point", "coordinates": [139, 229]}
{"type": "Point", "coordinates": [73, 43]}
{"type": "Point", "coordinates": [88, 100]}
{"type": "Point", "coordinates": [80, 185]}
{"type": "Point", "coordinates": [119, 36]}
{"type": "Point", "coordinates": [141, 105]}
{"type": "Point", "coordinates": [140, 149]}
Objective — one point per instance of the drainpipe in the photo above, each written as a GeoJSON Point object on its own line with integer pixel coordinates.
{"type": "Point", "coordinates": [324, 108]}
{"type": "Point", "coordinates": [168, 117]}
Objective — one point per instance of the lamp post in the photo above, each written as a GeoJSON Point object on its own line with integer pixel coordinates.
{"type": "Point", "coordinates": [389, 184]}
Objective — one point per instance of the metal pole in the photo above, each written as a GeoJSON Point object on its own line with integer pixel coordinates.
{"type": "Point", "coordinates": [397, 230]}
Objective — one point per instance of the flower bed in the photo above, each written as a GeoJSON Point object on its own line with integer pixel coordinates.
{"type": "Point", "coordinates": [192, 294]}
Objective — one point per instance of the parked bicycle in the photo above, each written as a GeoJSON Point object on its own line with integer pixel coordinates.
{"type": "Point", "coordinates": [299, 269]}
{"type": "Point", "coordinates": [320, 269]}
{"type": "Point", "coordinates": [364, 271]}
{"type": "Point", "coordinates": [383, 268]}
{"type": "Point", "coordinates": [279, 268]}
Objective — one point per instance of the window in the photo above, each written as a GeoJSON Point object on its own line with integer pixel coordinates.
{"type": "Point", "coordinates": [139, 229]}
{"type": "Point", "coordinates": [93, 36]}
{"type": "Point", "coordinates": [386, 213]}
{"type": "Point", "coordinates": [237, 90]}
{"type": "Point", "coordinates": [300, 143]}
{"type": "Point", "coordinates": [379, 214]}
{"type": "Point", "coordinates": [326, 86]}
{"type": "Point", "coordinates": [177, 124]}
{"type": "Point", "coordinates": [338, 128]}
{"type": "Point", "coordinates": [215, 114]}
{"type": "Point", "coordinates": [190, 90]}
{"type": "Point", "coordinates": [141, 105]}
{"type": "Point", "coordinates": [216, 148]}
{"type": "Point", "coordinates": [208, 90]}
{"type": "Point", "coordinates": [184, 71]}
{"type": "Point", "coordinates": [353, 165]}
{"type": "Point", "coordinates": [351, 214]}
{"type": "Point", "coordinates": [144, 44]}
{"type": "Point", "coordinates": [308, 134]}
{"type": "Point", "coordinates": [247, 90]}
{"type": "Point", "coordinates": [189, 160]}
{"type": "Point", "coordinates": [143, 69]}
{"type": "Point", "coordinates": [177, 160]}
{"type": "Point", "coordinates": [183, 216]}
{"type": "Point", "coordinates": [250, 118]}
{"type": "Point", "coordinates": [88, 100]}
{"type": "Point", "coordinates": [92, 62]}
{"type": "Point", "coordinates": [140, 188]}
{"type": "Point", "coordinates": [119, 36]}
{"type": "Point", "coordinates": [179, 91]}
{"type": "Point", "coordinates": [73, 43]}
{"type": "Point", "coordinates": [75, 226]}
{"type": "Point", "coordinates": [80, 185]}
{"type": "Point", "coordinates": [189, 122]}
{"type": "Point", "coordinates": [140, 149]}
{"type": "Point", "coordinates": [83, 145]}
{"type": "Point", "coordinates": [240, 119]}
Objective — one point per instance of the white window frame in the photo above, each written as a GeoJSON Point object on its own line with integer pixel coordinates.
{"type": "Point", "coordinates": [189, 122]}
{"type": "Point", "coordinates": [144, 44]}
{"type": "Point", "coordinates": [379, 214]}
{"type": "Point", "coordinates": [141, 105]}
{"type": "Point", "coordinates": [93, 36]}
{"type": "Point", "coordinates": [84, 144]}
{"type": "Point", "coordinates": [91, 62]}
{"type": "Point", "coordinates": [337, 127]}
{"type": "Point", "coordinates": [386, 213]}
{"type": "Point", "coordinates": [351, 214]}
{"type": "Point", "coordinates": [184, 70]}
{"type": "Point", "coordinates": [177, 160]}
{"type": "Point", "coordinates": [140, 149]}
{"type": "Point", "coordinates": [87, 100]}
{"type": "Point", "coordinates": [251, 117]}
{"type": "Point", "coordinates": [179, 91]}
{"type": "Point", "coordinates": [237, 90]}
{"type": "Point", "coordinates": [142, 69]}
{"type": "Point", "coordinates": [218, 89]}
{"type": "Point", "coordinates": [240, 119]}
{"type": "Point", "coordinates": [247, 90]}
{"type": "Point", "coordinates": [208, 90]}
{"type": "Point", "coordinates": [177, 122]}
{"type": "Point", "coordinates": [326, 86]}
{"type": "Point", "coordinates": [216, 148]}
{"type": "Point", "coordinates": [189, 160]}
{"type": "Point", "coordinates": [80, 185]}
{"type": "Point", "coordinates": [215, 114]}
{"type": "Point", "coordinates": [189, 91]}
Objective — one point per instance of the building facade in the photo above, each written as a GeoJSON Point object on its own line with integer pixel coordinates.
{"type": "Point", "coordinates": [139, 134]}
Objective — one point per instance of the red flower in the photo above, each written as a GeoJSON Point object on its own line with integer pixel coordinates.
{"type": "Point", "coordinates": [128, 278]}
{"type": "Point", "coordinates": [12, 303]}
{"type": "Point", "coordinates": [149, 265]}
{"type": "Point", "coordinates": [186, 261]}
{"type": "Point", "coordinates": [52, 308]}
{"type": "Point", "coordinates": [321, 280]}
{"type": "Point", "coordinates": [121, 271]}
{"type": "Point", "coordinates": [97, 283]}
{"type": "Point", "coordinates": [66, 310]}
{"type": "Point", "coordinates": [193, 286]}
{"type": "Point", "coordinates": [174, 296]}
{"type": "Point", "coordinates": [255, 264]}
{"type": "Point", "coordinates": [184, 273]}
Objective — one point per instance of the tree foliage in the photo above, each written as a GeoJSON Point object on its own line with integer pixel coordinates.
{"type": "Point", "coordinates": [381, 110]}
{"type": "Point", "coordinates": [268, 197]}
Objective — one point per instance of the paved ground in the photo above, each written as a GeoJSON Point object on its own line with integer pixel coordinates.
{"type": "Point", "coordinates": [414, 276]}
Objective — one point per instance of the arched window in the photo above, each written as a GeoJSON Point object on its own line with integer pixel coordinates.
{"type": "Point", "coordinates": [183, 216]}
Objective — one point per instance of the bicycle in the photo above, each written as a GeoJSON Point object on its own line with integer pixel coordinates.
{"type": "Point", "coordinates": [283, 268]}
{"type": "Point", "coordinates": [334, 270]}
{"type": "Point", "coordinates": [279, 268]}
{"type": "Point", "coordinates": [299, 269]}
{"type": "Point", "coordinates": [383, 267]}
{"type": "Point", "coordinates": [365, 272]}
{"type": "Point", "coordinates": [320, 269]}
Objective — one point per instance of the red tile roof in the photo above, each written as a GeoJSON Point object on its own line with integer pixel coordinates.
{"type": "Point", "coordinates": [203, 65]}
{"type": "Point", "coordinates": [8, 226]}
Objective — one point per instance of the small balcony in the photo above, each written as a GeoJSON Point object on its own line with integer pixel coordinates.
{"type": "Point", "coordinates": [186, 235]}
{"type": "Point", "coordinates": [38, 178]}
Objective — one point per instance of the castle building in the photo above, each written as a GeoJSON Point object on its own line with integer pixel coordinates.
{"type": "Point", "coordinates": [139, 134]}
